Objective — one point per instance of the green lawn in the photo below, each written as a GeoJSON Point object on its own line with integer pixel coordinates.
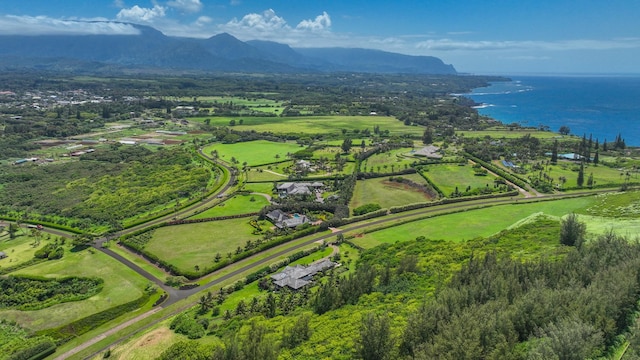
{"type": "Point", "coordinates": [254, 152]}
{"type": "Point", "coordinates": [449, 176]}
{"type": "Point", "coordinates": [239, 204]}
{"type": "Point", "coordinates": [186, 246]}
{"type": "Point", "coordinates": [387, 193]}
{"type": "Point", "coordinates": [471, 224]}
{"type": "Point", "coordinates": [263, 188]}
{"type": "Point", "coordinates": [121, 285]}
{"type": "Point", "coordinates": [319, 124]}
{"type": "Point", "coordinates": [281, 171]}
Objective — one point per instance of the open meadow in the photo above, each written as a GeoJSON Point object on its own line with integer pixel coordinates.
{"type": "Point", "coordinates": [121, 285]}
{"type": "Point", "coordinates": [388, 193]}
{"type": "Point", "coordinates": [448, 177]}
{"type": "Point", "coordinates": [254, 153]}
{"type": "Point", "coordinates": [318, 124]}
{"type": "Point", "coordinates": [190, 245]}
{"type": "Point", "coordinates": [239, 204]}
{"type": "Point", "coordinates": [471, 224]}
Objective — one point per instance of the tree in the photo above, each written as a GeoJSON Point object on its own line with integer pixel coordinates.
{"type": "Point", "coordinates": [596, 158]}
{"type": "Point", "coordinates": [298, 333]}
{"type": "Point", "coordinates": [346, 145]}
{"type": "Point", "coordinates": [572, 231]}
{"type": "Point", "coordinates": [427, 136]}
{"type": "Point", "coordinates": [375, 341]}
{"type": "Point", "coordinates": [580, 180]}
{"type": "Point", "coordinates": [590, 181]}
{"type": "Point", "coordinates": [554, 153]}
{"type": "Point", "coordinates": [564, 130]}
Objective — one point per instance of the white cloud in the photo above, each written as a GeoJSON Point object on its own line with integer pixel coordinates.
{"type": "Point", "coordinates": [42, 25]}
{"type": "Point", "coordinates": [139, 14]}
{"type": "Point", "coordinates": [236, 2]}
{"type": "Point", "coordinates": [203, 20]}
{"type": "Point", "coordinates": [118, 3]}
{"type": "Point", "coordinates": [321, 22]}
{"type": "Point", "coordinates": [268, 21]}
{"type": "Point", "coordinates": [189, 6]}
{"type": "Point", "coordinates": [484, 45]}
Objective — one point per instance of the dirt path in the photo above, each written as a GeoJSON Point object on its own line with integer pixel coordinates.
{"type": "Point", "coordinates": [267, 196]}
{"type": "Point", "coordinates": [274, 173]}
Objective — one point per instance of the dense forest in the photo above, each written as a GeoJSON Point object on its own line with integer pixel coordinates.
{"type": "Point", "coordinates": [103, 187]}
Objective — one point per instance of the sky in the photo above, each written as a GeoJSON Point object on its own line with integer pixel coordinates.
{"type": "Point", "coordinates": [476, 36]}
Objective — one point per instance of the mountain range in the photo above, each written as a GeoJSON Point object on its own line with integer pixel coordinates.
{"type": "Point", "coordinates": [152, 50]}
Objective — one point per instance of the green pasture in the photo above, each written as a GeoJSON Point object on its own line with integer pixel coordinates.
{"type": "Point", "coordinates": [319, 124]}
{"type": "Point", "coordinates": [449, 176]}
{"type": "Point", "coordinates": [389, 161]}
{"type": "Point", "coordinates": [602, 175]}
{"type": "Point", "coordinates": [502, 132]}
{"type": "Point", "coordinates": [387, 193]}
{"type": "Point", "coordinates": [262, 188]}
{"type": "Point", "coordinates": [598, 225]}
{"type": "Point", "coordinates": [18, 250]}
{"type": "Point", "coordinates": [188, 245]}
{"type": "Point", "coordinates": [239, 204]}
{"type": "Point", "coordinates": [253, 152]}
{"type": "Point", "coordinates": [121, 285]}
{"type": "Point", "coordinates": [616, 205]}
{"type": "Point", "coordinates": [471, 224]}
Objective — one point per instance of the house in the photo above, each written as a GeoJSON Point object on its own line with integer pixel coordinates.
{"type": "Point", "coordinates": [429, 151]}
{"type": "Point", "coordinates": [298, 188]}
{"type": "Point", "coordinates": [296, 277]}
{"type": "Point", "coordinates": [283, 220]}
{"type": "Point", "coordinates": [3, 255]}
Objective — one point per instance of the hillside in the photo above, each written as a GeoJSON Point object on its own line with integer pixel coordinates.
{"type": "Point", "coordinates": [220, 53]}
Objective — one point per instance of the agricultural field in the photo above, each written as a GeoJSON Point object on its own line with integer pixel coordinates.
{"type": "Point", "coordinates": [239, 204]}
{"type": "Point", "coordinates": [471, 224]}
{"type": "Point", "coordinates": [319, 124]}
{"type": "Point", "coordinates": [188, 245]}
{"type": "Point", "coordinates": [121, 285]}
{"type": "Point", "coordinates": [448, 177]}
{"type": "Point", "coordinates": [253, 153]}
{"type": "Point", "coordinates": [388, 193]}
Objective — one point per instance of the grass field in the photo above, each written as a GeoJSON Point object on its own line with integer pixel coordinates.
{"type": "Point", "coordinates": [387, 193]}
{"type": "Point", "coordinates": [239, 204]}
{"type": "Point", "coordinates": [186, 246]}
{"type": "Point", "coordinates": [318, 124]}
{"type": "Point", "coordinates": [502, 132]}
{"type": "Point", "coordinates": [449, 176]}
{"type": "Point", "coordinates": [602, 175]}
{"type": "Point", "coordinates": [253, 152]}
{"type": "Point", "coordinates": [390, 161]}
{"type": "Point", "coordinates": [471, 224]}
{"type": "Point", "coordinates": [18, 250]}
{"type": "Point", "coordinates": [262, 188]}
{"type": "Point", "coordinates": [121, 285]}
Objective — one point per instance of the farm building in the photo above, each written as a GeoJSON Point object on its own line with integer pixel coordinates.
{"type": "Point", "coordinates": [299, 276]}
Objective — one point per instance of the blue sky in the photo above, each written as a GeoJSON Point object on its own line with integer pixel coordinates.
{"type": "Point", "coordinates": [476, 36]}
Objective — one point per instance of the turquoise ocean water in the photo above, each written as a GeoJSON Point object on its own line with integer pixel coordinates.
{"type": "Point", "coordinates": [599, 105]}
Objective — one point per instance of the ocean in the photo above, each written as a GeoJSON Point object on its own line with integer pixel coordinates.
{"type": "Point", "coordinates": [603, 106]}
